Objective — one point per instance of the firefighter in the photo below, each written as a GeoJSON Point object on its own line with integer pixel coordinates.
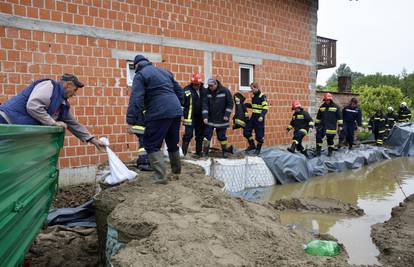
{"type": "Point", "coordinates": [301, 123]}
{"type": "Point", "coordinates": [329, 116]}
{"type": "Point", "coordinates": [241, 116]}
{"type": "Point", "coordinates": [143, 163]}
{"type": "Point", "coordinates": [352, 118]}
{"type": "Point", "coordinates": [256, 122]}
{"type": "Point", "coordinates": [217, 107]}
{"type": "Point", "coordinates": [377, 126]}
{"type": "Point", "coordinates": [193, 119]}
{"type": "Point", "coordinates": [404, 113]}
{"type": "Point", "coordinates": [155, 90]}
{"type": "Point", "coordinates": [390, 119]}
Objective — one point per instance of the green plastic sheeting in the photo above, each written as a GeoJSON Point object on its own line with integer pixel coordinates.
{"type": "Point", "coordinates": [28, 181]}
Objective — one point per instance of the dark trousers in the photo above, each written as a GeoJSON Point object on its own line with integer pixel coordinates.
{"type": "Point", "coordinates": [258, 127]}
{"type": "Point", "coordinates": [221, 134]}
{"type": "Point", "coordinates": [157, 131]}
{"type": "Point", "coordinates": [197, 128]}
{"type": "Point", "coordinates": [2, 120]}
{"type": "Point", "coordinates": [320, 134]}
{"type": "Point", "coordinates": [379, 137]}
{"type": "Point", "coordinates": [348, 133]}
{"type": "Point", "coordinates": [297, 139]}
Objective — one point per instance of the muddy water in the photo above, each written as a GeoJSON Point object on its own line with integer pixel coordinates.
{"type": "Point", "coordinates": [374, 189]}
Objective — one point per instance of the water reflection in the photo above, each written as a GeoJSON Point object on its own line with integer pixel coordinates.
{"type": "Point", "coordinates": [373, 188]}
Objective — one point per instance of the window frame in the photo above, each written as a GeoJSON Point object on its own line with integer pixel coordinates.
{"type": "Point", "coordinates": [250, 67]}
{"type": "Point", "coordinates": [129, 78]}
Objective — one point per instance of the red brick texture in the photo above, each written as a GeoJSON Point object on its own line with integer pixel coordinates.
{"type": "Point", "coordinates": [342, 99]}
{"type": "Point", "coordinates": [279, 27]}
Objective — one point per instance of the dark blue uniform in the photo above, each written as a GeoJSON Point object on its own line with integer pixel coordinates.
{"type": "Point", "coordinates": [301, 123]}
{"type": "Point", "coordinates": [328, 118]}
{"type": "Point", "coordinates": [259, 108]}
{"type": "Point", "coordinates": [377, 125]}
{"type": "Point", "coordinates": [156, 91]}
{"type": "Point", "coordinates": [352, 117]}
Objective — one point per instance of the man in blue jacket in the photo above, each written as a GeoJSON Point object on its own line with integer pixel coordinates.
{"type": "Point", "coordinates": [158, 94]}
{"type": "Point", "coordinates": [352, 119]}
{"type": "Point", "coordinates": [45, 102]}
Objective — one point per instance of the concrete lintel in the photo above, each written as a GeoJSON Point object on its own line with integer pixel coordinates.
{"type": "Point", "coordinates": [248, 60]}
{"type": "Point", "coordinates": [130, 55]}
{"type": "Point", "coordinates": [59, 27]}
{"type": "Point", "coordinates": [75, 176]}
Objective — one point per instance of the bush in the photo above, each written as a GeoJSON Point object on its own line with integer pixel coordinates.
{"type": "Point", "coordinates": [373, 98]}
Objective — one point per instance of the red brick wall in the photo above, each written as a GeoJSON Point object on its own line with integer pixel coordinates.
{"type": "Point", "coordinates": [341, 99]}
{"type": "Point", "coordinates": [280, 27]}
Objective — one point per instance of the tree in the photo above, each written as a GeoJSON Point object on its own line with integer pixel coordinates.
{"type": "Point", "coordinates": [376, 80]}
{"type": "Point", "coordinates": [374, 98]}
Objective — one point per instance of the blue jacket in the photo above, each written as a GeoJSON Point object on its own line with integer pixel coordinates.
{"type": "Point", "coordinates": [156, 93]}
{"type": "Point", "coordinates": [15, 108]}
{"type": "Point", "coordinates": [352, 115]}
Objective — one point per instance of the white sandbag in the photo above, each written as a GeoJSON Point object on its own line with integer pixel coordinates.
{"type": "Point", "coordinates": [205, 164]}
{"type": "Point", "coordinates": [165, 150]}
{"type": "Point", "coordinates": [119, 172]}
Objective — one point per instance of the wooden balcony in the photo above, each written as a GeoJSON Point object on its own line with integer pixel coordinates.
{"type": "Point", "coordinates": [326, 52]}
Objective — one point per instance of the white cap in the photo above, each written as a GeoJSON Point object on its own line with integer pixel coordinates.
{"type": "Point", "coordinates": [390, 109]}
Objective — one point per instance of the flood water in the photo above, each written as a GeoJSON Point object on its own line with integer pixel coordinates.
{"type": "Point", "coordinates": [373, 188]}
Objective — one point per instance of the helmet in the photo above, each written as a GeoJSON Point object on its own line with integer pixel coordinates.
{"type": "Point", "coordinates": [390, 109]}
{"type": "Point", "coordinates": [196, 79]}
{"type": "Point", "coordinates": [327, 96]}
{"type": "Point", "coordinates": [403, 104]}
{"type": "Point", "coordinates": [296, 104]}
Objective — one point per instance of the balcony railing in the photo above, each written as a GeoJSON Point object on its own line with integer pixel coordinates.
{"type": "Point", "coordinates": [326, 52]}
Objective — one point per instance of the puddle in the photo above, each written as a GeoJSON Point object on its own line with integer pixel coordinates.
{"type": "Point", "coordinates": [373, 188]}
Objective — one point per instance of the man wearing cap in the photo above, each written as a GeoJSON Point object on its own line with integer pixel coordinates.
{"type": "Point", "coordinates": [158, 94]}
{"type": "Point", "coordinates": [45, 102]}
{"type": "Point", "coordinates": [193, 120]}
{"type": "Point", "coordinates": [217, 107]}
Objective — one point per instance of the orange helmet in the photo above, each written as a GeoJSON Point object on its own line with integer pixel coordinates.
{"type": "Point", "coordinates": [327, 96]}
{"type": "Point", "coordinates": [196, 79]}
{"type": "Point", "coordinates": [296, 104]}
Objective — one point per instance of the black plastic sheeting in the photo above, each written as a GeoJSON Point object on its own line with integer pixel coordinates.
{"type": "Point", "coordinates": [289, 168]}
{"type": "Point", "coordinates": [81, 216]}
{"type": "Point", "coordinates": [401, 140]}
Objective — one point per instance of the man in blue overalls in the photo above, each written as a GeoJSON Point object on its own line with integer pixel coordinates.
{"type": "Point", "coordinates": [352, 117]}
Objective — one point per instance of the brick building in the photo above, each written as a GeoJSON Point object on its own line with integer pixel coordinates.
{"type": "Point", "coordinates": [272, 42]}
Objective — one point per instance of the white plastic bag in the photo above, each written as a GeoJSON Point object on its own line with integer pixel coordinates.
{"type": "Point", "coordinates": [119, 172]}
{"type": "Point", "coordinates": [165, 150]}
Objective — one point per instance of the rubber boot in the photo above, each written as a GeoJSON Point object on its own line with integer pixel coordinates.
{"type": "Point", "coordinates": [143, 163]}
{"type": "Point", "coordinates": [199, 148]}
{"type": "Point", "coordinates": [251, 147]}
{"type": "Point", "coordinates": [206, 147]}
{"type": "Point", "coordinates": [305, 153]}
{"type": "Point", "coordinates": [350, 147]}
{"type": "Point", "coordinates": [175, 162]}
{"type": "Point", "coordinates": [157, 162]}
{"type": "Point", "coordinates": [223, 151]}
{"type": "Point", "coordinates": [292, 148]}
{"type": "Point", "coordinates": [258, 148]}
{"type": "Point", "coordinates": [318, 151]}
{"type": "Point", "coordinates": [184, 147]}
{"type": "Point", "coordinates": [330, 150]}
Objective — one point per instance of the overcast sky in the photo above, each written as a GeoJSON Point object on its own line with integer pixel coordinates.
{"type": "Point", "coordinates": [373, 35]}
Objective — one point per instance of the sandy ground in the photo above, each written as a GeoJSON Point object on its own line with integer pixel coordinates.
{"type": "Point", "coordinates": [321, 205]}
{"type": "Point", "coordinates": [191, 222]}
{"type": "Point", "coordinates": [395, 237]}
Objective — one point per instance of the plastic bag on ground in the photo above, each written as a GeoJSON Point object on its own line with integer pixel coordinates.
{"type": "Point", "coordinates": [322, 248]}
{"type": "Point", "coordinates": [119, 172]}
{"type": "Point", "coordinates": [165, 150]}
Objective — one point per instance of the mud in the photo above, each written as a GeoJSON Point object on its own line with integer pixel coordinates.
{"type": "Point", "coordinates": [321, 205]}
{"type": "Point", "coordinates": [191, 222]}
{"type": "Point", "coordinates": [395, 237]}
{"type": "Point", "coordinates": [73, 196]}
{"type": "Point", "coordinates": [59, 246]}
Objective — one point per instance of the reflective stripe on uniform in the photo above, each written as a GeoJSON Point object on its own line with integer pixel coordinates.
{"type": "Point", "coordinates": [259, 111]}
{"type": "Point", "coordinates": [303, 131]}
{"type": "Point", "coordinates": [331, 131]}
{"type": "Point", "coordinates": [138, 129]}
{"type": "Point", "coordinates": [240, 122]}
{"type": "Point", "coordinates": [295, 142]}
{"type": "Point", "coordinates": [225, 142]}
{"type": "Point", "coordinates": [332, 109]}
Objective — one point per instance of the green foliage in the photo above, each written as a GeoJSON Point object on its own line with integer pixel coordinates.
{"type": "Point", "coordinates": [374, 98]}
{"type": "Point", "coordinates": [376, 80]}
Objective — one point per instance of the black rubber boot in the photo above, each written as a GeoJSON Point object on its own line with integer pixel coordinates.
{"type": "Point", "coordinates": [258, 148]}
{"type": "Point", "coordinates": [199, 148]}
{"type": "Point", "coordinates": [251, 147]}
{"type": "Point", "coordinates": [157, 162]}
{"type": "Point", "coordinates": [143, 163]}
{"type": "Point", "coordinates": [184, 147]}
{"type": "Point", "coordinates": [318, 151]}
{"type": "Point", "coordinates": [305, 153]}
{"type": "Point", "coordinates": [330, 150]}
{"type": "Point", "coordinates": [292, 148]}
{"type": "Point", "coordinates": [175, 162]}
{"type": "Point", "coordinates": [206, 147]}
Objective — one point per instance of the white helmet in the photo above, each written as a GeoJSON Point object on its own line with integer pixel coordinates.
{"type": "Point", "coordinates": [403, 104]}
{"type": "Point", "coordinates": [390, 109]}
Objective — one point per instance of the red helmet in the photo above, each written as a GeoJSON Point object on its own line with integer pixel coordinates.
{"type": "Point", "coordinates": [327, 96]}
{"type": "Point", "coordinates": [296, 104]}
{"type": "Point", "coordinates": [196, 79]}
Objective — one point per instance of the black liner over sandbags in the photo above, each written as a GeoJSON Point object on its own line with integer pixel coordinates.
{"type": "Point", "coordinates": [289, 168]}
{"type": "Point", "coordinates": [401, 140]}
